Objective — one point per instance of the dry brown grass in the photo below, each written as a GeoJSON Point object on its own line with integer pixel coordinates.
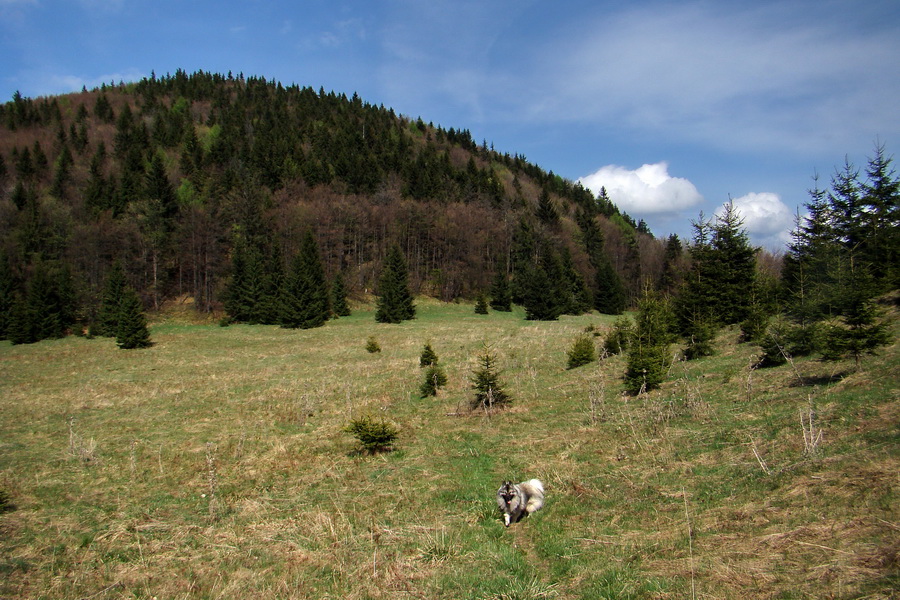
{"type": "Point", "coordinates": [219, 469]}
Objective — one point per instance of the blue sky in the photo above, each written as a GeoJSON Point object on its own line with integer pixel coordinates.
{"type": "Point", "coordinates": [674, 106]}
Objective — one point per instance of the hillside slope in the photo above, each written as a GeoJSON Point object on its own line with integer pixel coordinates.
{"type": "Point", "coordinates": [164, 175]}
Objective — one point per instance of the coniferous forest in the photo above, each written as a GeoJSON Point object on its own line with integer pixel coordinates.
{"type": "Point", "coordinates": [274, 204]}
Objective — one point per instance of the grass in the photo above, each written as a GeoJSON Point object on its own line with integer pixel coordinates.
{"type": "Point", "coordinates": [215, 465]}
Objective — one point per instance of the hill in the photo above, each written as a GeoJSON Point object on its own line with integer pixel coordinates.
{"type": "Point", "coordinates": [168, 174]}
{"type": "Point", "coordinates": [216, 465]}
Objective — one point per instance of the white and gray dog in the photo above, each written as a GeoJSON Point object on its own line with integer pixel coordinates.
{"type": "Point", "coordinates": [517, 500]}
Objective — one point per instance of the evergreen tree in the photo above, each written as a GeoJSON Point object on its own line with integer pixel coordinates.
{"type": "Point", "coordinates": [546, 212]}
{"type": "Point", "coordinates": [435, 378]}
{"type": "Point", "coordinates": [578, 296]}
{"type": "Point", "coordinates": [395, 302]}
{"type": "Point", "coordinates": [305, 299]}
{"type": "Point", "coordinates": [582, 352]}
{"type": "Point", "coordinates": [733, 267]}
{"type": "Point", "coordinates": [610, 297]}
{"type": "Point", "coordinates": [111, 301]}
{"type": "Point", "coordinates": [671, 277]}
{"type": "Point", "coordinates": [132, 332]}
{"type": "Point", "coordinates": [486, 382]}
{"type": "Point", "coordinates": [648, 350]}
{"type": "Point", "coordinates": [523, 254]}
{"type": "Point", "coordinates": [339, 305]}
{"type": "Point", "coordinates": [880, 213]}
{"type": "Point", "coordinates": [7, 294]}
{"type": "Point", "coordinates": [481, 307]}
{"type": "Point", "coordinates": [428, 356]}
{"type": "Point", "coordinates": [501, 300]}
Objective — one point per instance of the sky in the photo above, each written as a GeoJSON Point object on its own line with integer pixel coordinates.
{"type": "Point", "coordinates": [675, 107]}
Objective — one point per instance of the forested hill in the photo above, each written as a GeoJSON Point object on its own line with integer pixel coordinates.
{"type": "Point", "coordinates": [167, 176]}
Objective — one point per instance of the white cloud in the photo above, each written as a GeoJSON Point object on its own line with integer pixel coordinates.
{"type": "Point", "coordinates": [767, 219]}
{"type": "Point", "coordinates": [645, 190]}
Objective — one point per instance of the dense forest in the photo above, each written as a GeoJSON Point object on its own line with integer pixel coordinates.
{"type": "Point", "coordinates": [178, 178]}
{"type": "Point", "coordinates": [273, 204]}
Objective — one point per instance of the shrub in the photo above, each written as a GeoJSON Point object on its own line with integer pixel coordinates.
{"type": "Point", "coordinates": [582, 352]}
{"type": "Point", "coordinates": [373, 435]}
{"type": "Point", "coordinates": [617, 340]}
{"type": "Point", "coordinates": [372, 345]}
{"type": "Point", "coordinates": [435, 378]}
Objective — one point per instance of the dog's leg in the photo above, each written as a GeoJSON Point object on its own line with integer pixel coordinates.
{"type": "Point", "coordinates": [506, 518]}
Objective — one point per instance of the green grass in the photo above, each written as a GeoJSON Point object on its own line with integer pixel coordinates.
{"type": "Point", "coordinates": [215, 465]}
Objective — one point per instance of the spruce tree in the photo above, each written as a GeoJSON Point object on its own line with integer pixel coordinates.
{"type": "Point", "coordinates": [486, 382]}
{"type": "Point", "coordinates": [7, 294]}
{"type": "Point", "coordinates": [648, 350]}
{"type": "Point", "coordinates": [609, 295]}
{"type": "Point", "coordinates": [501, 299]}
{"type": "Point", "coordinates": [305, 299]}
{"type": "Point", "coordinates": [395, 302]}
{"type": "Point", "coordinates": [481, 307]}
{"type": "Point", "coordinates": [582, 352]}
{"type": "Point", "coordinates": [339, 305]}
{"type": "Point", "coordinates": [113, 291]}
{"type": "Point", "coordinates": [428, 357]}
{"type": "Point", "coordinates": [132, 332]}
{"type": "Point", "coordinates": [435, 378]}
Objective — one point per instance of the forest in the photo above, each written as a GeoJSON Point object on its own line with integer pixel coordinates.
{"type": "Point", "coordinates": [221, 191]}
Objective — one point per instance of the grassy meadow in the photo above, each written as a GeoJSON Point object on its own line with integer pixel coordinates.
{"type": "Point", "coordinates": [215, 465]}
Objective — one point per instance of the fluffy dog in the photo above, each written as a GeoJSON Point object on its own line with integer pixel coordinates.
{"type": "Point", "coordinates": [520, 499]}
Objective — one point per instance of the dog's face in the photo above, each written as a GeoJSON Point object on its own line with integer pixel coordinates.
{"type": "Point", "coordinates": [507, 491]}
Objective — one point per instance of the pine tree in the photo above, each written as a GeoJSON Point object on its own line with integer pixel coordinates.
{"type": "Point", "coordinates": [481, 307]}
{"type": "Point", "coordinates": [880, 211]}
{"type": "Point", "coordinates": [395, 302]}
{"type": "Point", "coordinates": [339, 305]}
{"type": "Point", "coordinates": [7, 294]}
{"type": "Point", "coordinates": [435, 378]}
{"type": "Point", "coordinates": [428, 356]}
{"type": "Point", "coordinates": [546, 212]}
{"type": "Point", "coordinates": [305, 299]}
{"type": "Point", "coordinates": [582, 352]}
{"type": "Point", "coordinates": [486, 382]}
{"type": "Point", "coordinates": [610, 297]}
{"type": "Point", "coordinates": [113, 291]}
{"type": "Point", "coordinates": [132, 332]}
{"type": "Point", "coordinates": [501, 300]}
{"type": "Point", "coordinates": [648, 350]}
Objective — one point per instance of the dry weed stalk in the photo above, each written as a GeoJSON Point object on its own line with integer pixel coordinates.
{"type": "Point", "coordinates": [597, 402]}
{"type": "Point", "coordinates": [759, 459]}
{"type": "Point", "coordinates": [212, 478]}
{"type": "Point", "coordinates": [811, 436]}
{"type": "Point", "coordinates": [84, 451]}
{"type": "Point", "coordinates": [690, 530]}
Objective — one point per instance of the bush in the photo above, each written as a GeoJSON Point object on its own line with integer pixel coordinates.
{"type": "Point", "coordinates": [373, 435]}
{"type": "Point", "coordinates": [435, 378]}
{"type": "Point", "coordinates": [582, 352]}
{"type": "Point", "coordinates": [372, 346]}
{"type": "Point", "coordinates": [617, 340]}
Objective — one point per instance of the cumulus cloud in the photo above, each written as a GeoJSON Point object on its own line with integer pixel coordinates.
{"type": "Point", "coordinates": [648, 189]}
{"type": "Point", "coordinates": [767, 219]}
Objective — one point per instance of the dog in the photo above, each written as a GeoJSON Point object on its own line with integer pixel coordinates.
{"type": "Point", "coordinates": [520, 499]}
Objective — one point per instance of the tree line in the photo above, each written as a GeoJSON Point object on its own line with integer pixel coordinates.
{"type": "Point", "coordinates": [186, 180]}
